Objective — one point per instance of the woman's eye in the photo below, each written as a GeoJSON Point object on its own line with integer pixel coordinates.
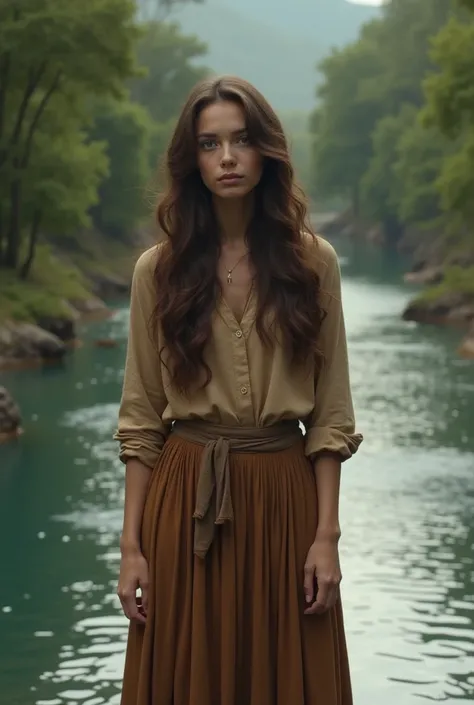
{"type": "Point", "coordinates": [208, 144]}
{"type": "Point", "coordinates": [243, 139]}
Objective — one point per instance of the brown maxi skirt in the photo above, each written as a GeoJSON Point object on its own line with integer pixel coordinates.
{"type": "Point", "coordinates": [229, 629]}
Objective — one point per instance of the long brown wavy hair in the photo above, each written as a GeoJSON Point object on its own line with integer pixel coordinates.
{"type": "Point", "coordinates": [288, 288]}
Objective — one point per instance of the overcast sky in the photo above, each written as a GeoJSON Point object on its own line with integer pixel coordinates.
{"type": "Point", "coordinates": [367, 2]}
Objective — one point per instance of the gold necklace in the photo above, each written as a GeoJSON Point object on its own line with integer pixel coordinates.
{"type": "Point", "coordinates": [229, 271]}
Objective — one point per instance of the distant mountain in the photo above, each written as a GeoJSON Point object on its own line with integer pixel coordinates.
{"type": "Point", "coordinates": [275, 44]}
{"type": "Point", "coordinates": [335, 22]}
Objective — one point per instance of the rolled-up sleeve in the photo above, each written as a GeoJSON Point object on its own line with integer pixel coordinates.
{"type": "Point", "coordinates": [141, 432]}
{"type": "Point", "coordinates": [331, 426]}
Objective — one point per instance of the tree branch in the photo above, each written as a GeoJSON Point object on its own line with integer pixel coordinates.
{"type": "Point", "coordinates": [34, 123]}
{"type": "Point", "coordinates": [35, 225]}
{"type": "Point", "coordinates": [4, 75]}
{"type": "Point", "coordinates": [33, 82]}
{"type": "Point", "coordinates": [1, 234]}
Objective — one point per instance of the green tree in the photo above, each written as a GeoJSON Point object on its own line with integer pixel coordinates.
{"type": "Point", "coordinates": [456, 184]}
{"type": "Point", "coordinates": [379, 185]}
{"type": "Point", "coordinates": [450, 109]}
{"type": "Point", "coordinates": [296, 126]}
{"type": "Point", "coordinates": [450, 90]}
{"type": "Point", "coordinates": [365, 83]}
{"type": "Point", "coordinates": [169, 57]}
{"type": "Point", "coordinates": [343, 123]}
{"type": "Point", "coordinates": [137, 132]}
{"type": "Point", "coordinates": [53, 55]}
{"type": "Point", "coordinates": [421, 155]}
{"type": "Point", "coordinates": [127, 130]}
{"type": "Point", "coordinates": [60, 185]}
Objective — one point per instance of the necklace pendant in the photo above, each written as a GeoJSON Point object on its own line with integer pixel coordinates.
{"type": "Point", "coordinates": [229, 278]}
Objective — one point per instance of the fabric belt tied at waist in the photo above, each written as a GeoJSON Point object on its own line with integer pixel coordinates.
{"type": "Point", "coordinates": [214, 500]}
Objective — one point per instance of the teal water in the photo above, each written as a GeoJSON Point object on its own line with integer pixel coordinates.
{"type": "Point", "coordinates": [407, 507]}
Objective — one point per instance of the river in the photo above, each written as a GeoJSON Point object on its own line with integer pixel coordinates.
{"type": "Point", "coordinates": [407, 507]}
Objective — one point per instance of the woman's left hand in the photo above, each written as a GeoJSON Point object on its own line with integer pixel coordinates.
{"type": "Point", "coordinates": [322, 573]}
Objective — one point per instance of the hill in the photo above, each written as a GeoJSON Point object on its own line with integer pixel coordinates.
{"type": "Point", "coordinates": [275, 44]}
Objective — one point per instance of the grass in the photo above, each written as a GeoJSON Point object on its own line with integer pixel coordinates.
{"type": "Point", "coordinates": [46, 292]}
{"type": "Point", "coordinates": [458, 280]}
{"type": "Point", "coordinates": [103, 256]}
{"type": "Point", "coordinates": [59, 276]}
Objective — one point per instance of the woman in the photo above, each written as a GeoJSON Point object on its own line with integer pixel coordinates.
{"type": "Point", "coordinates": [231, 523]}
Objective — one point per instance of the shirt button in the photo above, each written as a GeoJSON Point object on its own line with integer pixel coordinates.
{"type": "Point", "coordinates": [243, 390]}
{"type": "Point", "coordinates": [238, 333]}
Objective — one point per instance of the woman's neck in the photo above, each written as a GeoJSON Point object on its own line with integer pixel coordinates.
{"type": "Point", "coordinates": [233, 217]}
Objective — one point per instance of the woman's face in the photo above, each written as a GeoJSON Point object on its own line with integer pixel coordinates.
{"type": "Point", "coordinates": [230, 166]}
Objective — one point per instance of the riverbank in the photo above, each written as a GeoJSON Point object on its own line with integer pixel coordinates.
{"type": "Point", "coordinates": [69, 282]}
{"type": "Point", "coordinates": [444, 273]}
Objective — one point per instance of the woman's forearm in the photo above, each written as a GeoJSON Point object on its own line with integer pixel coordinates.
{"type": "Point", "coordinates": [327, 470]}
{"type": "Point", "coordinates": [137, 478]}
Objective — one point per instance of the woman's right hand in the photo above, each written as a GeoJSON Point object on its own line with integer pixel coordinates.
{"type": "Point", "coordinates": [133, 575]}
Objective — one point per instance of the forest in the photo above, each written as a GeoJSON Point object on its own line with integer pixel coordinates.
{"type": "Point", "coordinates": [89, 92]}
{"type": "Point", "coordinates": [393, 133]}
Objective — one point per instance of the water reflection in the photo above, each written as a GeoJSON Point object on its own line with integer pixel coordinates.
{"type": "Point", "coordinates": [408, 507]}
{"type": "Point", "coordinates": [410, 570]}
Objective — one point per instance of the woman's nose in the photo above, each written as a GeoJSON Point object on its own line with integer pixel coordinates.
{"type": "Point", "coordinates": [227, 156]}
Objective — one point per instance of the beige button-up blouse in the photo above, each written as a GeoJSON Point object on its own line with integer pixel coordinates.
{"type": "Point", "coordinates": [251, 384]}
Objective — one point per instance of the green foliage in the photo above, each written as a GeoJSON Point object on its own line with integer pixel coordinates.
{"type": "Point", "coordinates": [372, 143]}
{"type": "Point", "coordinates": [54, 54]}
{"type": "Point", "coordinates": [160, 138]}
{"type": "Point", "coordinates": [450, 109]}
{"type": "Point", "coordinates": [75, 151]}
{"type": "Point", "coordinates": [420, 156]}
{"type": "Point", "coordinates": [450, 92]}
{"type": "Point", "coordinates": [126, 130]}
{"type": "Point", "coordinates": [343, 123]}
{"type": "Point", "coordinates": [456, 181]}
{"type": "Point", "coordinates": [64, 174]}
{"type": "Point", "coordinates": [51, 285]}
{"type": "Point", "coordinates": [456, 280]}
{"type": "Point", "coordinates": [296, 126]}
{"type": "Point", "coordinates": [169, 57]}
{"type": "Point", "coordinates": [380, 184]}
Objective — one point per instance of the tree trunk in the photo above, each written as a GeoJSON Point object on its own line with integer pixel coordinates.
{"type": "Point", "coordinates": [4, 76]}
{"type": "Point", "coordinates": [36, 118]}
{"type": "Point", "coordinates": [13, 234]}
{"type": "Point", "coordinates": [20, 164]}
{"type": "Point", "coordinates": [26, 266]}
{"type": "Point", "coordinates": [1, 235]}
{"type": "Point", "coordinates": [33, 83]}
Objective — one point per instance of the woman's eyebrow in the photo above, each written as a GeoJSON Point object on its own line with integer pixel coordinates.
{"type": "Point", "coordinates": [208, 135]}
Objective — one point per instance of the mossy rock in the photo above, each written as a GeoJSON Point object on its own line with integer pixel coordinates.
{"type": "Point", "coordinates": [10, 416]}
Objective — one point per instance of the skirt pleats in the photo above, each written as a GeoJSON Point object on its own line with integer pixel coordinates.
{"type": "Point", "coordinates": [229, 629]}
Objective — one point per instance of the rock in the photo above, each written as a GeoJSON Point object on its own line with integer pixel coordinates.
{"type": "Point", "coordinates": [90, 306]}
{"type": "Point", "coordinates": [464, 313]}
{"type": "Point", "coordinates": [106, 343]}
{"type": "Point", "coordinates": [108, 286]}
{"type": "Point", "coordinates": [62, 328]}
{"type": "Point", "coordinates": [425, 275]}
{"type": "Point", "coordinates": [10, 417]}
{"type": "Point", "coordinates": [93, 309]}
{"type": "Point", "coordinates": [26, 341]}
{"type": "Point", "coordinates": [466, 349]}
{"type": "Point", "coordinates": [450, 307]}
